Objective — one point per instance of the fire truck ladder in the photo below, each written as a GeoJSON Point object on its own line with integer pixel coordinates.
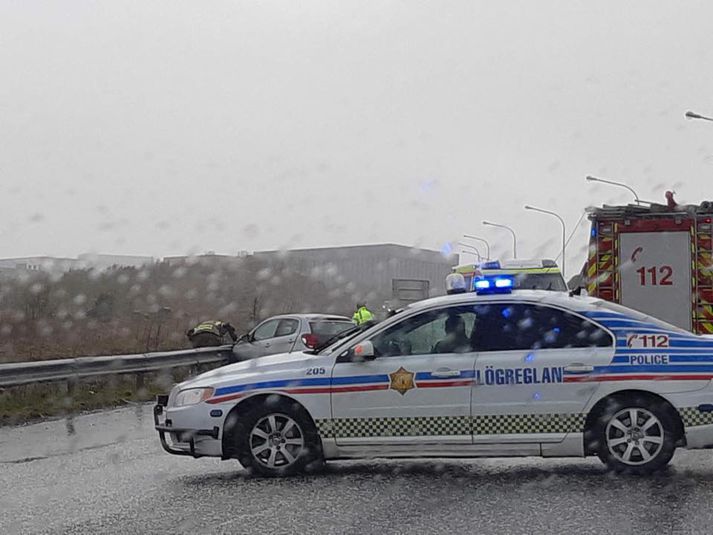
{"type": "Point", "coordinates": [703, 269]}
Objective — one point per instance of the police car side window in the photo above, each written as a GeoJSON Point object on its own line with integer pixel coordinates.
{"type": "Point", "coordinates": [265, 330]}
{"type": "Point", "coordinates": [437, 331]}
{"type": "Point", "coordinates": [507, 327]}
{"type": "Point", "coordinates": [558, 329]}
{"type": "Point", "coordinates": [564, 329]}
{"type": "Point", "coordinates": [498, 328]}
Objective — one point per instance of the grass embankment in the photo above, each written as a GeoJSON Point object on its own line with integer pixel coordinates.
{"type": "Point", "coordinates": [37, 401]}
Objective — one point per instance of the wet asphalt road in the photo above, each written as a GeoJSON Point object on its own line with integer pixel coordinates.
{"type": "Point", "coordinates": [111, 476]}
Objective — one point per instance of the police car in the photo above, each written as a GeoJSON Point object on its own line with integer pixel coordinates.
{"type": "Point", "coordinates": [488, 373]}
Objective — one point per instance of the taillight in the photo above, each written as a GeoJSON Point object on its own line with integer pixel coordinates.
{"type": "Point", "coordinates": [310, 340]}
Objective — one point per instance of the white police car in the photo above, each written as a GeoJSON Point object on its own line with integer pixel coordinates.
{"type": "Point", "coordinates": [496, 373]}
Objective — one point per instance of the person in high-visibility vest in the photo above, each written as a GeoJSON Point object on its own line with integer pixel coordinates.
{"type": "Point", "coordinates": [210, 333]}
{"type": "Point", "coordinates": [362, 314]}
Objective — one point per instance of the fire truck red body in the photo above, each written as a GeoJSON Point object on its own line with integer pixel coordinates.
{"type": "Point", "coordinates": [656, 259]}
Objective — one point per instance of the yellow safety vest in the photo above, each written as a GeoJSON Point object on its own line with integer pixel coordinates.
{"type": "Point", "coordinates": [208, 327]}
{"type": "Point", "coordinates": [362, 316]}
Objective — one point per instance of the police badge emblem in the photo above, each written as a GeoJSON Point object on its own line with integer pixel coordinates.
{"type": "Point", "coordinates": [402, 381]}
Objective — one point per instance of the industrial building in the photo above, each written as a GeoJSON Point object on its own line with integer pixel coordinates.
{"type": "Point", "coordinates": [381, 272]}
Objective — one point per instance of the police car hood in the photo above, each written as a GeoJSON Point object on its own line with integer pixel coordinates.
{"type": "Point", "coordinates": [284, 365]}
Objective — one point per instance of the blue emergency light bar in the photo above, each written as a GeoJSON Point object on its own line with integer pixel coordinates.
{"type": "Point", "coordinates": [493, 285]}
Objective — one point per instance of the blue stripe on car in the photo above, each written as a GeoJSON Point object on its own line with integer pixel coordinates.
{"type": "Point", "coordinates": [312, 381]}
{"type": "Point", "coordinates": [654, 368]}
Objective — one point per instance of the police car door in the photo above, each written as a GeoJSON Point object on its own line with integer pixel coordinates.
{"type": "Point", "coordinates": [415, 391]}
{"type": "Point", "coordinates": [520, 393]}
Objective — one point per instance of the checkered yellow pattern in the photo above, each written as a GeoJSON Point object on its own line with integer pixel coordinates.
{"type": "Point", "coordinates": [692, 417]}
{"type": "Point", "coordinates": [395, 427]}
{"type": "Point", "coordinates": [495, 424]}
{"type": "Point", "coordinates": [450, 426]}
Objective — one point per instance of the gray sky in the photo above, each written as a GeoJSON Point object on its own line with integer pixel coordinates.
{"type": "Point", "coordinates": [171, 127]}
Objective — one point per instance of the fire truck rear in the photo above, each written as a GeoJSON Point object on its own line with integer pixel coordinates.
{"type": "Point", "coordinates": [655, 259]}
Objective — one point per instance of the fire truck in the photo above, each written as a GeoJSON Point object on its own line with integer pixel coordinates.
{"type": "Point", "coordinates": [656, 259]}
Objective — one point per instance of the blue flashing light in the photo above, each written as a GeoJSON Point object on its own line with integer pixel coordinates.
{"type": "Point", "coordinates": [503, 283]}
{"type": "Point", "coordinates": [498, 284]}
{"type": "Point", "coordinates": [594, 232]}
{"type": "Point", "coordinates": [482, 284]}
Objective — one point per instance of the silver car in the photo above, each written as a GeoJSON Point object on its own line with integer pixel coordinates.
{"type": "Point", "coordinates": [288, 333]}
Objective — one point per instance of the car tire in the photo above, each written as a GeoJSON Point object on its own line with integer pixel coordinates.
{"type": "Point", "coordinates": [276, 439]}
{"type": "Point", "coordinates": [636, 435]}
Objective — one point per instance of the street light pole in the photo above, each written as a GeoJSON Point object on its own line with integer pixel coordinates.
{"type": "Point", "coordinates": [693, 115]}
{"type": "Point", "coordinates": [514, 238]}
{"type": "Point", "coordinates": [564, 231]}
{"type": "Point", "coordinates": [620, 184]}
{"type": "Point", "coordinates": [475, 250]}
{"type": "Point", "coordinates": [487, 245]}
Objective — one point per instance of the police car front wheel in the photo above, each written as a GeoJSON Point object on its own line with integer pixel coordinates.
{"type": "Point", "coordinates": [637, 436]}
{"type": "Point", "coordinates": [275, 441]}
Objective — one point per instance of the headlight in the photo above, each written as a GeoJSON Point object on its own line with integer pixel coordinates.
{"type": "Point", "coordinates": [191, 396]}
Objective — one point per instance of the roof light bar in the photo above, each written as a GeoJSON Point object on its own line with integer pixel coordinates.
{"type": "Point", "coordinates": [492, 285]}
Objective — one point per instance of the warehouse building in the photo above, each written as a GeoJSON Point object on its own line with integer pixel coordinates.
{"type": "Point", "coordinates": [381, 274]}
{"type": "Point", "coordinates": [378, 273]}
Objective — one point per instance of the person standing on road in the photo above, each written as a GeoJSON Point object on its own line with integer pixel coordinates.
{"type": "Point", "coordinates": [362, 314]}
{"type": "Point", "coordinates": [210, 333]}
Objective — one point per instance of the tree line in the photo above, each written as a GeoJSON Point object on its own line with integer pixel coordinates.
{"type": "Point", "coordinates": [126, 309]}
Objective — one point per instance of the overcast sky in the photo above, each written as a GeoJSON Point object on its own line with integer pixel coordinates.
{"type": "Point", "coordinates": [170, 127]}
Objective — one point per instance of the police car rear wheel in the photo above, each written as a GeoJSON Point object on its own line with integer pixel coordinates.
{"type": "Point", "coordinates": [277, 441]}
{"type": "Point", "coordinates": [637, 437]}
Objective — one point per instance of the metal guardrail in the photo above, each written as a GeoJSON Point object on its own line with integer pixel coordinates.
{"type": "Point", "coordinates": [22, 373]}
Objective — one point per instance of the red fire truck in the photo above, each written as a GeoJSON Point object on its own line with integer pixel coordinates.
{"type": "Point", "coordinates": [656, 259]}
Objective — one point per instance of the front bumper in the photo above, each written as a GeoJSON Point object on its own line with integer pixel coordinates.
{"type": "Point", "coordinates": [178, 434]}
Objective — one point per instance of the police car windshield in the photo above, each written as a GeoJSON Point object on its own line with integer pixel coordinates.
{"type": "Point", "coordinates": [639, 316]}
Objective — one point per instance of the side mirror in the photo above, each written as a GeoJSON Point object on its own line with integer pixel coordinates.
{"type": "Point", "coordinates": [243, 338]}
{"type": "Point", "coordinates": [363, 351]}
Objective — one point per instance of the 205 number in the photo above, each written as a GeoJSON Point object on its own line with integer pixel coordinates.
{"type": "Point", "coordinates": [315, 371]}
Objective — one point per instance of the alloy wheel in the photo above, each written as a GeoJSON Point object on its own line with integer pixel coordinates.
{"type": "Point", "coordinates": [634, 436]}
{"type": "Point", "coordinates": [276, 441]}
